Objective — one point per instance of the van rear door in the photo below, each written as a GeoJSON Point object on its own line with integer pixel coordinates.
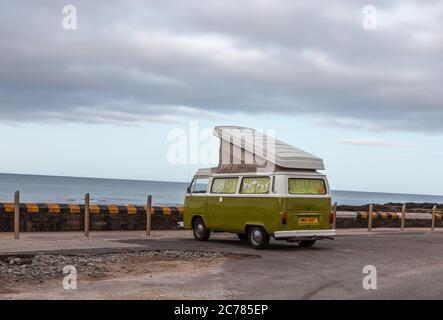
{"type": "Point", "coordinates": [309, 204]}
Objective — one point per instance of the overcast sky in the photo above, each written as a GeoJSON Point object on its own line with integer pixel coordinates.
{"type": "Point", "coordinates": [307, 69]}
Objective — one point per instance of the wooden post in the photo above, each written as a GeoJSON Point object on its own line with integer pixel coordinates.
{"type": "Point", "coordinates": [17, 215]}
{"type": "Point", "coordinates": [371, 208]}
{"type": "Point", "coordinates": [334, 215]}
{"type": "Point", "coordinates": [434, 211]}
{"type": "Point", "coordinates": [403, 217]}
{"type": "Point", "coordinates": [87, 199]}
{"type": "Point", "coordinates": [148, 215]}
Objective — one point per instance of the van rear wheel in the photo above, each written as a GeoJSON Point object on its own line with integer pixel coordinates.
{"type": "Point", "coordinates": [242, 236]}
{"type": "Point", "coordinates": [258, 237]}
{"type": "Point", "coordinates": [201, 233]}
{"type": "Point", "coordinates": [306, 243]}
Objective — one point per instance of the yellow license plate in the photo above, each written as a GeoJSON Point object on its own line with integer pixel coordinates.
{"type": "Point", "coordinates": [307, 220]}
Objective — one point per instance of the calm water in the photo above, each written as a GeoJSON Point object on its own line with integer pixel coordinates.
{"type": "Point", "coordinates": [71, 190]}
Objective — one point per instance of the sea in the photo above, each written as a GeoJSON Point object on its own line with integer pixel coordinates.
{"type": "Point", "coordinates": [56, 189]}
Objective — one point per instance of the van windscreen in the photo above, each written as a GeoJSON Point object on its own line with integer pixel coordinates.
{"type": "Point", "coordinates": [199, 185]}
{"type": "Point", "coordinates": [306, 186]}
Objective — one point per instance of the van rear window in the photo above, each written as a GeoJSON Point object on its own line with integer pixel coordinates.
{"type": "Point", "coordinates": [306, 186]}
{"type": "Point", "coordinates": [224, 185]}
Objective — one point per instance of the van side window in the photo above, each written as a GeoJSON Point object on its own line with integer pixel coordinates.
{"type": "Point", "coordinates": [224, 185]}
{"type": "Point", "coordinates": [255, 185]}
{"type": "Point", "coordinates": [199, 185]}
{"type": "Point", "coordinates": [306, 186]}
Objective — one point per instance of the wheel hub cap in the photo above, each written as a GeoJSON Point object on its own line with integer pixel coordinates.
{"type": "Point", "coordinates": [256, 236]}
{"type": "Point", "coordinates": [200, 229]}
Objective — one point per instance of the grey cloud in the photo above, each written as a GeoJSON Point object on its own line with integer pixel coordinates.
{"type": "Point", "coordinates": [167, 61]}
{"type": "Point", "coordinates": [371, 143]}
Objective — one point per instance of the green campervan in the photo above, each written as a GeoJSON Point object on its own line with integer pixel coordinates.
{"type": "Point", "coordinates": [261, 188]}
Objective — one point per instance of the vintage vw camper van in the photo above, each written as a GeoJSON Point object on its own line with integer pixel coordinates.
{"type": "Point", "coordinates": [280, 194]}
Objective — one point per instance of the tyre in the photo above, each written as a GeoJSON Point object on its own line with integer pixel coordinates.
{"type": "Point", "coordinates": [242, 236]}
{"type": "Point", "coordinates": [201, 233]}
{"type": "Point", "coordinates": [306, 243]}
{"type": "Point", "coordinates": [258, 237]}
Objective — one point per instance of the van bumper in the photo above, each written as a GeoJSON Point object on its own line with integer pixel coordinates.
{"type": "Point", "coordinates": [305, 234]}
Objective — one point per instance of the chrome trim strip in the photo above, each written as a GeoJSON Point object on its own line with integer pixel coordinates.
{"type": "Point", "coordinates": [305, 233]}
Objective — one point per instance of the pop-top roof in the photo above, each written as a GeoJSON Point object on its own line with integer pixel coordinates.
{"type": "Point", "coordinates": [268, 148]}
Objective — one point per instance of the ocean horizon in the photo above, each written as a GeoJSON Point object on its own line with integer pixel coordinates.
{"type": "Point", "coordinates": [61, 189]}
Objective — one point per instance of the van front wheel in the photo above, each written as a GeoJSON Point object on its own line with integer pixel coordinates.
{"type": "Point", "coordinates": [201, 233]}
{"type": "Point", "coordinates": [258, 237]}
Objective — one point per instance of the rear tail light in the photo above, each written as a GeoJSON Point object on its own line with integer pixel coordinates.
{"type": "Point", "coordinates": [283, 217]}
{"type": "Point", "coordinates": [331, 217]}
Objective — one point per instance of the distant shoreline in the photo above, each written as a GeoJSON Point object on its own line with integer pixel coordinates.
{"type": "Point", "coordinates": [56, 189]}
{"type": "Point", "coordinates": [392, 207]}
{"type": "Point", "coordinates": [185, 183]}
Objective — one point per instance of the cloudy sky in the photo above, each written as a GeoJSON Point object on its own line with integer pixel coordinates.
{"type": "Point", "coordinates": [100, 100]}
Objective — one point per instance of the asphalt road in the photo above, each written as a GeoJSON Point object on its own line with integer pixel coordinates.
{"type": "Point", "coordinates": [409, 266]}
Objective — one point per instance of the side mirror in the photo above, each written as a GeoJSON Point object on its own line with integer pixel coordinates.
{"type": "Point", "coordinates": [188, 189]}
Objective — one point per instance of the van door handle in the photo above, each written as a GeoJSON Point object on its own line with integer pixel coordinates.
{"type": "Point", "coordinates": [203, 202]}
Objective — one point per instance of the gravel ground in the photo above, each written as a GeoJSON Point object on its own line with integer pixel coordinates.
{"type": "Point", "coordinates": [41, 267]}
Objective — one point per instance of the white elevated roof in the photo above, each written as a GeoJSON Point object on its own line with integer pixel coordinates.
{"type": "Point", "coordinates": [204, 172]}
{"type": "Point", "coordinates": [267, 148]}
